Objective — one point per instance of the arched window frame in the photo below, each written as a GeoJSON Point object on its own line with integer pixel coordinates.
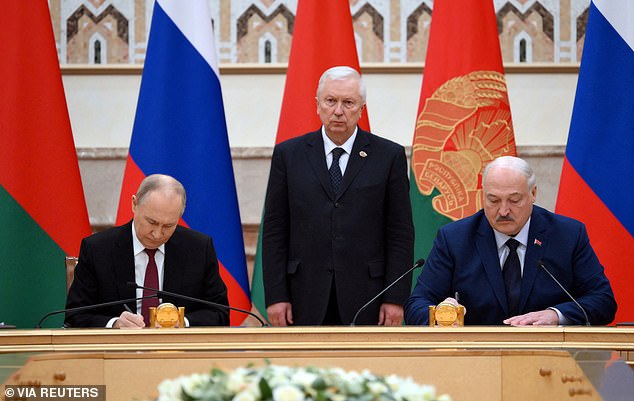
{"type": "Point", "coordinates": [97, 37]}
{"type": "Point", "coordinates": [523, 36]}
{"type": "Point", "coordinates": [267, 37]}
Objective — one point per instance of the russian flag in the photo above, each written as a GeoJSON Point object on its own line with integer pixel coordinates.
{"type": "Point", "coordinates": [598, 174]}
{"type": "Point", "coordinates": [180, 130]}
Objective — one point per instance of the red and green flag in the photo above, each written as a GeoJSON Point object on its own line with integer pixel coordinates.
{"type": "Point", "coordinates": [463, 120]}
{"type": "Point", "coordinates": [43, 213]}
{"type": "Point", "coordinates": [323, 37]}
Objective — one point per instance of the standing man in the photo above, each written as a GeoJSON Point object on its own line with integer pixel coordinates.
{"type": "Point", "coordinates": [151, 250]}
{"type": "Point", "coordinates": [338, 221]}
{"type": "Point", "coordinates": [498, 261]}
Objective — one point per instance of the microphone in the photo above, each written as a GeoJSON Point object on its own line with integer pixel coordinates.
{"type": "Point", "coordinates": [418, 263]}
{"type": "Point", "coordinates": [585, 315]}
{"type": "Point", "coordinates": [88, 307]}
{"type": "Point", "coordinates": [161, 293]}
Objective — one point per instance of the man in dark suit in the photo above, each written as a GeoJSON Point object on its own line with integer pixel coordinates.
{"type": "Point", "coordinates": [492, 260]}
{"type": "Point", "coordinates": [337, 222]}
{"type": "Point", "coordinates": [151, 248]}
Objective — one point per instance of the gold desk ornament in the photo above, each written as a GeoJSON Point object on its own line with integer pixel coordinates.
{"type": "Point", "coordinates": [446, 314]}
{"type": "Point", "coordinates": [167, 316]}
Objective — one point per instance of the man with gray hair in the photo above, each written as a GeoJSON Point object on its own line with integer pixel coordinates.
{"type": "Point", "coordinates": [151, 250]}
{"type": "Point", "coordinates": [337, 221]}
{"type": "Point", "coordinates": [499, 261]}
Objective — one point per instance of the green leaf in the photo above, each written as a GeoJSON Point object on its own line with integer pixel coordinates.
{"type": "Point", "coordinates": [185, 396]}
{"type": "Point", "coordinates": [265, 390]}
{"type": "Point", "coordinates": [319, 384]}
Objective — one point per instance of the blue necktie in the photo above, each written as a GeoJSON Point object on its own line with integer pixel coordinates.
{"type": "Point", "coordinates": [512, 273]}
{"type": "Point", "coordinates": [335, 170]}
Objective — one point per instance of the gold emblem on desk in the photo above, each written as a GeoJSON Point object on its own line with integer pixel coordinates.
{"type": "Point", "coordinates": [446, 314]}
{"type": "Point", "coordinates": [166, 315]}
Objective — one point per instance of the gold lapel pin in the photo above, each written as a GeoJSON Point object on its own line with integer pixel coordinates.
{"type": "Point", "coordinates": [363, 154]}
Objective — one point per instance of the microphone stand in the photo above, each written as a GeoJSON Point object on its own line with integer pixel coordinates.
{"type": "Point", "coordinates": [585, 315]}
{"type": "Point", "coordinates": [202, 301]}
{"type": "Point", "coordinates": [88, 307]}
{"type": "Point", "coordinates": [419, 263]}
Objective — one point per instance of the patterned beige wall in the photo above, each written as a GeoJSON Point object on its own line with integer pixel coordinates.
{"type": "Point", "coordinates": [253, 26]}
{"type": "Point", "coordinates": [110, 28]}
{"type": "Point", "coordinates": [252, 31]}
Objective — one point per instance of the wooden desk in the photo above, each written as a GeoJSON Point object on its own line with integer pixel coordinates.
{"type": "Point", "coordinates": [620, 339]}
{"type": "Point", "coordinates": [470, 363]}
{"type": "Point", "coordinates": [467, 375]}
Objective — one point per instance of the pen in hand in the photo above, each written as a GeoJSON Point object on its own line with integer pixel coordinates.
{"type": "Point", "coordinates": [456, 297]}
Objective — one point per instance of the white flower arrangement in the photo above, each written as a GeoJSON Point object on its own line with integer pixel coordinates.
{"type": "Point", "coordinates": [283, 383]}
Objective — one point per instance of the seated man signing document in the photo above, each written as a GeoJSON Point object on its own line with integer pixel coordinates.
{"type": "Point", "coordinates": [151, 250]}
{"type": "Point", "coordinates": [498, 260]}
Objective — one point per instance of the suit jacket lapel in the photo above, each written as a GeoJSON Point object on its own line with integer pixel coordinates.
{"type": "Point", "coordinates": [537, 240]}
{"type": "Point", "coordinates": [355, 161]}
{"type": "Point", "coordinates": [123, 260]}
{"type": "Point", "coordinates": [487, 248]}
{"type": "Point", "coordinates": [317, 160]}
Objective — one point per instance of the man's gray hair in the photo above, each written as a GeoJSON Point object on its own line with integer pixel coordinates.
{"type": "Point", "coordinates": [513, 163]}
{"type": "Point", "coordinates": [156, 182]}
{"type": "Point", "coordinates": [342, 72]}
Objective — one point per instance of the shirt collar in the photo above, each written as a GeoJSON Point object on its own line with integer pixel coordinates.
{"type": "Point", "coordinates": [521, 237]}
{"type": "Point", "coordinates": [137, 246]}
{"type": "Point", "coordinates": [329, 145]}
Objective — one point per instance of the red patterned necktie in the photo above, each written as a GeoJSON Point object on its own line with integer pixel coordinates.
{"type": "Point", "coordinates": [151, 281]}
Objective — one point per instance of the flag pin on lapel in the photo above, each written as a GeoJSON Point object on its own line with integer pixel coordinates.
{"type": "Point", "coordinates": [363, 154]}
{"type": "Point", "coordinates": [537, 242]}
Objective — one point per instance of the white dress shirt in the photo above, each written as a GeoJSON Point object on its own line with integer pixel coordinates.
{"type": "Point", "coordinates": [141, 260]}
{"type": "Point", "coordinates": [329, 145]}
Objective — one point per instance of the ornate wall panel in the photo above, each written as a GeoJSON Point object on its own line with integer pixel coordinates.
{"type": "Point", "coordinates": [260, 31]}
{"type": "Point", "coordinates": [417, 24]}
{"type": "Point", "coordinates": [369, 27]}
{"type": "Point", "coordinates": [534, 24]}
{"type": "Point", "coordinates": [264, 37]}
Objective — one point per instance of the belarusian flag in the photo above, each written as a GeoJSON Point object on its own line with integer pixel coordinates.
{"type": "Point", "coordinates": [598, 171]}
{"type": "Point", "coordinates": [323, 37]}
{"type": "Point", "coordinates": [43, 213]}
{"type": "Point", "coordinates": [464, 117]}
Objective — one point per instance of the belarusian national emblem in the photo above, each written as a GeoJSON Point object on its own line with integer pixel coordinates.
{"type": "Point", "coordinates": [464, 125]}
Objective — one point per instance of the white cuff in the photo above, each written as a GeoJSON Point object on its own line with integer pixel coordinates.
{"type": "Point", "coordinates": [563, 320]}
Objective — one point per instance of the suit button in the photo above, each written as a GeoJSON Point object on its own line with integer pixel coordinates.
{"type": "Point", "coordinates": [337, 204]}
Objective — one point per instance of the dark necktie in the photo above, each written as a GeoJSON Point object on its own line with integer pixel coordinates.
{"type": "Point", "coordinates": [512, 273]}
{"type": "Point", "coordinates": [151, 281]}
{"type": "Point", "coordinates": [335, 170]}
